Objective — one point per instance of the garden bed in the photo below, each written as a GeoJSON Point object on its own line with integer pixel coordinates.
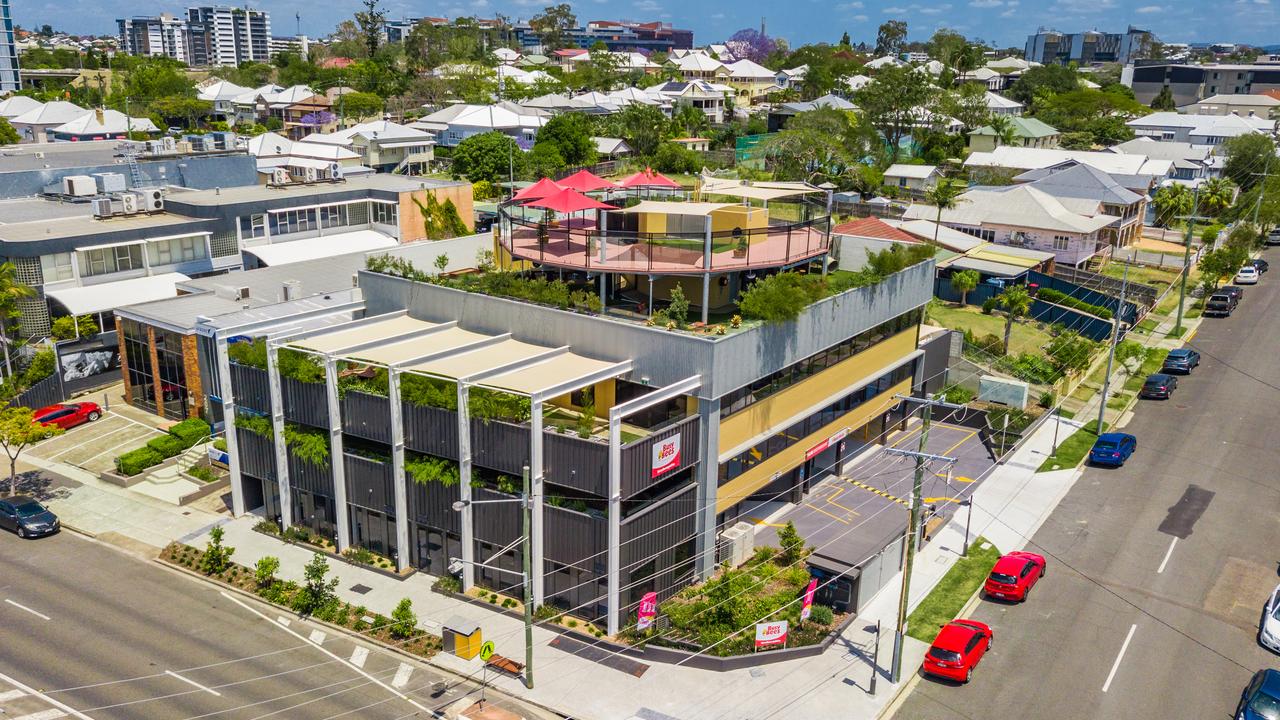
{"type": "Point", "coordinates": [356, 556]}
{"type": "Point", "coordinates": [953, 591]}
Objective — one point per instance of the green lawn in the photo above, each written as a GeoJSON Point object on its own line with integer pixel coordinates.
{"type": "Point", "coordinates": [1159, 278]}
{"type": "Point", "coordinates": [1025, 337]}
{"type": "Point", "coordinates": [946, 600]}
{"type": "Point", "coordinates": [1155, 359]}
{"type": "Point", "coordinates": [1072, 450]}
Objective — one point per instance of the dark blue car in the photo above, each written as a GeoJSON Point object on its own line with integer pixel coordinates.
{"type": "Point", "coordinates": [1112, 449]}
{"type": "Point", "coordinates": [1181, 360]}
{"type": "Point", "coordinates": [1261, 699]}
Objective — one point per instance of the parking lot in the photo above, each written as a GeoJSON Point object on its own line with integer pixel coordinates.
{"type": "Point", "coordinates": [94, 446]}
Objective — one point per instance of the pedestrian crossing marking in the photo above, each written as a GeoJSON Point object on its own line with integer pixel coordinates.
{"type": "Point", "coordinates": [317, 637]}
{"type": "Point", "coordinates": [11, 695]}
{"type": "Point", "coordinates": [878, 491]}
{"type": "Point", "coordinates": [359, 655]}
{"type": "Point", "coordinates": [402, 675]}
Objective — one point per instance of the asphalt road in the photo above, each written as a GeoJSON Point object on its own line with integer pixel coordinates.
{"type": "Point", "coordinates": [88, 629]}
{"type": "Point", "coordinates": [1158, 571]}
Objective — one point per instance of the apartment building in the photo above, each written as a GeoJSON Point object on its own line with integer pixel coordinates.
{"type": "Point", "coordinates": [1191, 84]}
{"type": "Point", "coordinates": [618, 36]}
{"type": "Point", "coordinates": [1049, 47]}
{"type": "Point", "coordinates": [161, 36]}
{"type": "Point", "coordinates": [641, 443]}
{"type": "Point", "coordinates": [224, 35]}
{"type": "Point", "coordinates": [9, 77]}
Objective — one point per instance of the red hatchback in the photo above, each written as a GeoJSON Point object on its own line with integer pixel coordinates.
{"type": "Point", "coordinates": [958, 649]}
{"type": "Point", "coordinates": [1014, 575]}
{"type": "Point", "coordinates": [68, 415]}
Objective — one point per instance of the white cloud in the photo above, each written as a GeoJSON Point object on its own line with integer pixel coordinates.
{"type": "Point", "coordinates": [718, 16]}
{"type": "Point", "coordinates": [938, 10]}
{"type": "Point", "coordinates": [1148, 9]}
{"type": "Point", "coordinates": [859, 18]}
{"type": "Point", "coordinates": [647, 6]}
{"type": "Point", "coordinates": [1009, 13]}
{"type": "Point", "coordinates": [855, 5]}
{"type": "Point", "coordinates": [895, 10]}
{"type": "Point", "coordinates": [986, 3]}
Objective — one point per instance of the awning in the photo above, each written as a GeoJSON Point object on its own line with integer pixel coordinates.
{"type": "Point", "coordinates": [362, 333]}
{"type": "Point", "coordinates": [111, 295]}
{"type": "Point", "coordinates": [988, 267]}
{"type": "Point", "coordinates": [563, 370]}
{"type": "Point", "coordinates": [490, 357]}
{"type": "Point", "coordinates": [407, 143]}
{"type": "Point", "coordinates": [538, 190]}
{"type": "Point", "coordinates": [676, 208]}
{"type": "Point", "coordinates": [441, 341]}
{"type": "Point", "coordinates": [325, 246]}
{"type": "Point", "coordinates": [586, 181]}
{"type": "Point", "coordinates": [648, 178]}
{"type": "Point", "coordinates": [736, 188]}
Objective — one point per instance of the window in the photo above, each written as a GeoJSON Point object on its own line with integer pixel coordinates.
{"type": "Point", "coordinates": [293, 221]}
{"type": "Point", "coordinates": [253, 226]}
{"type": "Point", "coordinates": [333, 216]}
{"type": "Point", "coordinates": [176, 250]}
{"type": "Point", "coordinates": [1060, 242]}
{"type": "Point", "coordinates": [109, 260]}
{"type": "Point", "coordinates": [56, 267]}
{"type": "Point", "coordinates": [384, 213]}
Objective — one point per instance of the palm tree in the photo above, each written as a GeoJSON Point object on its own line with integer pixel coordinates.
{"type": "Point", "coordinates": [962, 282]}
{"type": "Point", "coordinates": [1170, 202]}
{"type": "Point", "coordinates": [11, 291]}
{"type": "Point", "coordinates": [1006, 133]}
{"type": "Point", "coordinates": [1216, 195]}
{"type": "Point", "coordinates": [1016, 302]}
{"type": "Point", "coordinates": [943, 196]}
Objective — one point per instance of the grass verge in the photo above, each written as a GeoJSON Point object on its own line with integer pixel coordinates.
{"type": "Point", "coordinates": [955, 588]}
{"type": "Point", "coordinates": [1072, 450]}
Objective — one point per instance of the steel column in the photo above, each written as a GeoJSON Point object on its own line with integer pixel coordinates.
{"type": "Point", "coordinates": [397, 470]}
{"type": "Point", "coordinates": [337, 467]}
{"type": "Point", "coordinates": [277, 434]}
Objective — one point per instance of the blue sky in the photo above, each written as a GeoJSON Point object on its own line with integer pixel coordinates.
{"type": "Point", "coordinates": [1005, 22]}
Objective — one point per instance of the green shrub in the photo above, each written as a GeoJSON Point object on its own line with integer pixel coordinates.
{"type": "Point", "coordinates": [137, 460]}
{"type": "Point", "coordinates": [428, 392]}
{"type": "Point", "coordinates": [359, 554]}
{"type": "Point", "coordinates": [217, 557]}
{"type": "Point", "coordinates": [781, 297]}
{"type": "Point", "coordinates": [427, 468]}
{"type": "Point", "coordinates": [166, 445]}
{"type": "Point", "coordinates": [202, 473]}
{"type": "Point", "coordinates": [448, 584]}
{"type": "Point", "coordinates": [989, 305]}
{"type": "Point", "coordinates": [220, 444]}
{"type": "Point", "coordinates": [267, 526]}
{"type": "Point", "coordinates": [1047, 399]}
{"type": "Point", "coordinates": [821, 614]}
{"type": "Point", "coordinates": [544, 612]}
{"type": "Point", "coordinates": [257, 424]}
{"type": "Point", "coordinates": [1030, 368]}
{"type": "Point", "coordinates": [308, 444]}
{"type": "Point", "coordinates": [1060, 298]}
{"type": "Point", "coordinates": [264, 571]}
{"type": "Point", "coordinates": [404, 621]}
{"type": "Point", "coordinates": [190, 431]}
{"type": "Point", "coordinates": [958, 395]}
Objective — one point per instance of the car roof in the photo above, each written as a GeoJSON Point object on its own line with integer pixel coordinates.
{"type": "Point", "coordinates": [1179, 352]}
{"type": "Point", "coordinates": [1011, 564]}
{"type": "Point", "coordinates": [1271, 682]}
{"type": "Point", "coordinates": [953, 636]}
{"type": "Point", "coordinates": [1159, 377]}
{"type": "Point", "coordinates": [1114, 437]}
{"type": "Point", "coordinates": [18, 499]}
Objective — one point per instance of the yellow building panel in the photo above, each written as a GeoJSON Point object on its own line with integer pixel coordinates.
{"type": "Point", "coordinates": [739, 216]}
{"type": "Point", "coordinates": [652, 222]}
{"type": "Point", "coordinates": [768, 414]}
{"type": "Point", "coordinates": [743, 486]}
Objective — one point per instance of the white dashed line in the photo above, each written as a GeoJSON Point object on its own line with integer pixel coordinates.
{"type": "Point", "coordinates": [192, 683]}
{"type": "Point", "coordinates": [1116, 666]}
{"type": "Point", "coordinates": [317, 637]}
{"type": "Point", "coordinates": [42, 616]}
{"type": "Point", "coordinates": [359, 655]}
{"type": "Point", "coordinates": [284, 621]}
{"type": "Point", "coordinates": [1167, 555]}
{"type": "Point", "coordinates": [402, 675]}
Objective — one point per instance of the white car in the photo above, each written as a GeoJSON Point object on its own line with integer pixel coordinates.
{"type": "Point", "coordinates": [1269, 633]}
{"type": "Point", "coordinates": [1248, 275]}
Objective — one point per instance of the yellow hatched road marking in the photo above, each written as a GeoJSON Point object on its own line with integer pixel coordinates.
{"type": "Point", "coordinates": [878, 491]}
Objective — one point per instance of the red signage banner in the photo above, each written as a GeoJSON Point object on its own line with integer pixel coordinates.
{"type": "Point", "coordinates": [771, 633]}
{"type": "Point", "coordinates": [666, 456]}
{"type": "Point", "coordinates": [648, 611]}
{"type": "Point", "coordinates": [807, 607]}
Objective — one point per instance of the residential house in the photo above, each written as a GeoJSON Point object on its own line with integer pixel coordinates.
{"type": "Point", "coordinates": [696, 144]}
{"type": "Point", "coordinates": [303, 160]}
{"type": "Point", "coordinates": [1001, 105]}
{"type": "Point", "coordinates": [15, 105]}
{"type": "Point", "coordinates": [1090, 191]}
{"type": "Point", "coordinates": [791, 77]}
{"type": "Point", "coordinates": [1199, 129]}
{"type": "Point", "coordinates": [1139, 173]}
{"type": "Point", "coordinates": [912, 180]}
{"type": "Point", "coordinates": [34, 124]}
{"type": "Point", "coordinates": [700, 66]}
{"type": "Point", "coordinates": [222, 93]}
{"type": "Point", "coordinates": [246, 105]}
{"type": "Point", "coordinates": [992, 80]}
{"type": "Point", "coordinates": [1023, 216]}
{"type": "Point", "coordinates": [302, 111]}
{"type": "Point", "coordinates": [779, 116]}
{"type": "Point", "coordinates": [1191, 163]}
{"type": "Point", "coordinates": [885, 61]}
{"type": "Point", "coordinates": [611, 148]}
{"type": "Point", "coordinates": [710, 98]}
{"type": "Point", "coordinates": [383, 145]}
{"type": "Point", "coordinates": [1263, 106]}
{"type": "Point", "coordinates": [100, 124]}
{"type": "Point", "coordinates": [456, 123]}
{"type": "Point", "coordinates": [1028, 132]}
{"type": "Point", "coordinates": [752, 81]}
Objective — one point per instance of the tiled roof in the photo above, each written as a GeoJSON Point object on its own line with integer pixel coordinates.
{"type": "Point", "coordinates": [871, 227]}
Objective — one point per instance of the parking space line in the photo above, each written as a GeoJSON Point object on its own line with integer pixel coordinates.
{"type": "Point", "coordinates": [1116, 665]}
{"type": "Point", "coordinates": [135, 422]}
{"type": "Point", "coordinates": [77, 446]}
{"type": "Point", "coordinates": [50, 714]}
{"type": "Point", "coordinates": [359, 656]}
{"type": "Point", "coordinates": [317, 637]}
{"type": "Point", "coordinates": [1167, 555]}
{"type": "Point", "coordinates": [40, 615]}
{"type": "Point", "coordinates": [402, 675]}
{"type": "Point", "coordinates": [192, 683]}
{"type": "Point", "coordinates": [878, 491]}
{"type": "Point", "coordinates": [11, 695]}
{"type": "Point", "coordinates": [32, 691]}
{"type": "Point", "coordinates": [963, 440]}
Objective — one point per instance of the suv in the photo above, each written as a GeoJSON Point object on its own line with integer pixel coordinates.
{"type": "Point", "coordinates": [1273, 237]}
{"type": "Point", "coordinates": [1220, 304]}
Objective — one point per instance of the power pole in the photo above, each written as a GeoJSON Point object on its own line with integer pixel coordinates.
{"type": "Point", "coordinates": [1186, 259]}
{"type": "Point", "coordinates": [913, 521]}
{"type": "Point", "coordinates": [1111, 356]}
{"type": "Point", "coordinates": [1262, 186]}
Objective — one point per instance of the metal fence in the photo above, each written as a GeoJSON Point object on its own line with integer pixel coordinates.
{"type": "Point", "coordinates": [45, 392]}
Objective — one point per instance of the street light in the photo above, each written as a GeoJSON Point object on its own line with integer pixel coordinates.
{"type": "Point", "coordinates": [455, 566]}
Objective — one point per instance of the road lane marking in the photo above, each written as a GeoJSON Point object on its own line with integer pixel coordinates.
{"type": "Point", "coordinates": [1116, 666]}
{"type": "Point", "coordinates": [42, 616]}
{"type": "Point", "coordinates": [317, 637]}
{"type": "Point", "coordinates": [50, 714]}
{"type": "Point", "coordinates": [333, 655]}
{"type": "Point", "coordinates": [192, 683]}
{"type": "Point", "coordinates": [402, 675]}
{"type": "Point", "coordinates": [32, 691]}
{"type": "Point", "coordinates": [359, 656]}
{"type": "Point", "coordinates": [1167, 555]}
{"type": "Point", "coordinates": [11, 695]}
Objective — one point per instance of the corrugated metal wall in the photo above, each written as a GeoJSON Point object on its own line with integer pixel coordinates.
{"type": "Point", "coordinates": [576, 462]}
{"type": "Point", "coordinates": [662, 532]}
{"type": "Point", "coordinates": [257, 454]}
{"type": "Point", "coordinates": [574, 538]}
{"type": "Point", "coordinates": [312, 478]}
{"type": "Point", "coordinates": [305, 403]}
{"type": "Point", "coordinates": [430, 430]}
{"type": "Point", "coordinates": [637, 458]}
{"type": "Point", "coordinates": [367, 416]}
{"type": "Point", "coordinates": [370, 483]}
{"type": "Point", "coordinates": [497, 523]}
{"type": "Point", "coordinates": [499, 446]}
{"type": "Point", "coordinates": [431, 503]}
{"type": "Point", "coordinates": [249, 384]}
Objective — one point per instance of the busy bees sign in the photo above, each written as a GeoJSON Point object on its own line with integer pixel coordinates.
{"type": "Point", "coordinates": [666, 455]}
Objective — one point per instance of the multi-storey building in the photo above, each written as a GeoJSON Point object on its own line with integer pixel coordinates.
{"type": "Point", "coordinates": [640, 443]}
{"type": "Point", "coordinates": [617, 36]}
{"type": "Point", "coordinates": [224, 35]}
{"type": "Point", "coordinates": [9, 79]}
{"type": "Point", "coordinates": [1190, 84]}
{"type": "Point", "coordinates": [1085, 48]}
{"type": "Point", "coordinates": [160, 36]}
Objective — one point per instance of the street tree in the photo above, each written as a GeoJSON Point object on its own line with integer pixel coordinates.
{"type": "Point", "coordinates": [1015, 301]}
{"type": "Point", "coordinates": [371, 21]}
{"type": "Point", "coordinates": [943, 196]}
{"type": "Point", "coordinates": [1043, 81]}
{"type": "Point", "coordinates": [1247, 155]}
{"type": "Point", "coordinates": [571, 135]}
{"type": "Point", "coordinates": [1216, 195]}
{"type": "Point", "coordinates": [8, 136]}
{"type": "Point", "coordinates": [487, 156]}
{"type": "Point", "coordinates": [964, 282]}
{"type": "Point", "coordinates": [553, 25]}
{"type": "Point", "coordinates": [1171, 202]}
{"type": "Point", "coordinates": [11, 291]}
{"type": "Point", "coordinates": [18, 429]}
{"type": "Point", "coordinates": [1163, 100]}
{"type": "Point", "coordinates": [890, 103]}
{"type": "Point", "coordinates": [890, 36]}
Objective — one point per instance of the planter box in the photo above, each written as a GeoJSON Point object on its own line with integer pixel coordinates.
{"type": "Point", "coordinates": [370, 483]}
{"type": "Point", "coordinates": [579, 463]}
{"type": "Point", "coordinates": [430, 430]}
{"type": "Point", "coordinates": [208, 489]}
{"type": "Point", "coordinates": [250, 388]}
{"type": "Point", "coordinates": [637, 458]}
{"type": "Point", "coordinates": [257, 454]}
{"type": "Point", "coordinates": [432, 503]}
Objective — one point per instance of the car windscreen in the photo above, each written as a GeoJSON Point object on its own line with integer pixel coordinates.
{"type": "Point", "coordinates": [1002, 578]}
{"type": "Point", "coordinates": [29, 509]}
{"type": "Point", "coordinates": [1275, 611]}
{"type": "Point", "coordinates": [1267, 707]}
{"type": "Point", "coordinates": [1154, 383]}
{"type": "Point", "coordinates": [1107, 445]}
{"type": "Point", "coordinates": [944, 655]}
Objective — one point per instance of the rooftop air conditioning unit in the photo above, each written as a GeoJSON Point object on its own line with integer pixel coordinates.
{"type": "Point", "coordinates": [279, 176]}
{"type": "Point", "coordinates": [242, 293]}
{"type": "Point", "coordinates": [335, 171]}
{"type": "Point", "coordinates": [79, 186]}
{"type": "Point", "coordinates": [110, 182]}
{"type": "Point", "coordinates": [311, 174]}
{"type": "Point", "coordinates": [155, 147]}
{"type": "Point", "coordinates": [183, 147]}
{"type": "Point", "coordinates": [154, 199]}
{"type": "Point", "coordinates": [736, 544]}
{"type": "Point", "coordinates": [102, 208]}
{"type": "Point", "coordinates": [129, 202]}
{"type": "Point", "coordinates": [168, 144]}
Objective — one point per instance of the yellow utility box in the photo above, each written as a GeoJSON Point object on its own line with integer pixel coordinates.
{"type": "Point", "coordinates": [462, 637]}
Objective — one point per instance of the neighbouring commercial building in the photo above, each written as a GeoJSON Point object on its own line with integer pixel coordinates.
{"type": "Point", "coordinates": [160, 36]}
{"type": "Point", "coordinates": [9, 76]}
{"type": "Point", "coordinates": [617, 36]}
{"type": "Point", "coordinates": [1085, 48]}
{"type": "Point", "coordinates": [225, 35]}
{"type": "Point", "coordinates": [1190, 84]}
{"type": "Point", "coordinates": [641, 443]}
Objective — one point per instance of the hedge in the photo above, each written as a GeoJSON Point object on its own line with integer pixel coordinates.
{"type": "Point", "coordinates": [190, 431]}
{"type": "Point", "coordinates": [180, 437]}
{"type": "Point", "coordinates": [166, 446]}
{"type": "Point", "coordinates": [1060, 298]}
{"type": "Point", "coordinates": [137, 460]}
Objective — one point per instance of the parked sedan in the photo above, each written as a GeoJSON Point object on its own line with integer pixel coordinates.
{"type": "Point", "coordinates": [68, 415]}
{"type": "Point", "coordinates": [1234, 291]}
{"type": "Point", "coordinates": [1013, 576]}
{"type": "Point", "coordinates": [1261, 265]}
{"type": "Point", "coordinates": [27, 517]}
{"type": "Point", "coordinates": [1269, 632]}
{"type": "Point", "coordinates": [1261, 698]}
{"type": "Point", "coordinates": [1181, 360]}
{"type": "Point", "coordinates": [1247, 275]}
{"type": "Point", "coordinates": [1112, 449]}
{"type": "Point", "coordinates": [957, 650]}
{"type": "Point", "coordinates": [1273, 237]}
{"type": "Point", "coordinates": [1159, 386]}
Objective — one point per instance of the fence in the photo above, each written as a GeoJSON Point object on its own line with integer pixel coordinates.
{"type": "Point", "coordinates": [1110, 286]}
{"type": "Point", "coordinates": [45, 392]}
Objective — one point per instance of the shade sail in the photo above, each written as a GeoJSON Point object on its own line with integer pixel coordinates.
{"type": "Point", "coordinates": [649, 178]}
{"type": "Point", "coordinates": [676, 208]}
{"type": "Point", "coordinates": [586, 181]}
{"type": "Point", "coordinates": [539, 190]}
{"type": "Point", "coordinates": [108, 296]}
{"type": "Point", "coordinates": [569, 201]}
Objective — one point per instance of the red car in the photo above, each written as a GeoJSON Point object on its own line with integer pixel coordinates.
{"type": "Point", "coordinates": [68, 415]}
{"type": "Point", "coordinates": [1013, 576]}
{"type": "Point", "coordinates": [958, 649]}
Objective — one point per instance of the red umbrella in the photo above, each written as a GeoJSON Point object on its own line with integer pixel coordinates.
{"type": "Point", "coordinates": [586, 181]}
{"type": "Point", "coordinates": [649, 178]}
{"type": "Point", "coordinates": [538, 190]}
{"type": "Point", "coordinates": [569, 200]}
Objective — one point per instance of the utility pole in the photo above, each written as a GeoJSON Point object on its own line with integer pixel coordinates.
{"type": "Point", "coordinates": [528, 579]}
{"type": "Point", "coordinates": [1262, 187]}
{"type": "Point", "coordinates": [1186, 259]}
{"type": "Point", "coordinates": [913, 520]}
{"type": "Point", "coordinates": [1111, 355]}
